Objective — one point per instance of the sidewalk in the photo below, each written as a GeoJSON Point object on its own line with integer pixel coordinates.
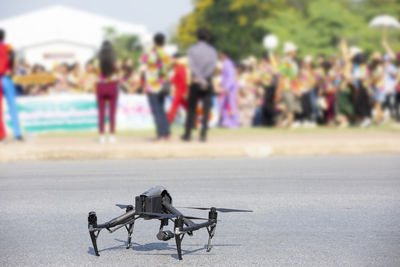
{"type": "Point", "coordinates": [221, 143]}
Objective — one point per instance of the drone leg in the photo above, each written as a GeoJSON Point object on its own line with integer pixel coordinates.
{"type": "Point", "coordinates": [94, 242]}
{"type": "Point", "coordinates": [211, 232]}
{"type": "Point", "coordinates": [212, 215]}
{"type": "Point", "coordinates": [130, 231]}
{"type": "Point", "coordinates": [129, 228]}
{"type": "Point", "coordinates": [178, 238]}
{"type": "Point", "coordinates": [92, 223]}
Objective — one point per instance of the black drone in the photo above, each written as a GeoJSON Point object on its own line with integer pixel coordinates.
{"type": "Point", "coordinates": [156, 203]}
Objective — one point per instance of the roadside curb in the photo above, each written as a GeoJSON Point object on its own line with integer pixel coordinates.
{"type": "Point", "coordinates": [120, 151]}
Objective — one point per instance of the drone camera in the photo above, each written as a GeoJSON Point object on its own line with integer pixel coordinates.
{"type": "Point", "coordinates": [165, 235]}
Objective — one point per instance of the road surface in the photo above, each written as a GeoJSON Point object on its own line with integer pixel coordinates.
{"type": "Point", "coordinates": [308, 211]}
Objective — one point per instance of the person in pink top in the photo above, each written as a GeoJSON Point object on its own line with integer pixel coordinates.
{"type": "Point", "coordinates": [107, 90]}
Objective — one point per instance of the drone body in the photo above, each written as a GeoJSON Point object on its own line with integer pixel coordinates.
{"type": "Point", "coordinates": [156, 203]}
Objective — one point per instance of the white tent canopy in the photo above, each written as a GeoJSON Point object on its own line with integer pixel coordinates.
{"type": "Point", "coordinates": [63, 28]}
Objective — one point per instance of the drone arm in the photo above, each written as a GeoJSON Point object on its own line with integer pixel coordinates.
{"type": "Point", "coordinates": [122, 225]}
{"type": "Point", "coordinates": [171, 209]}
{"type": "Point", "coordinates": [118, 220]}
{"type": "Point", "coordinates": [198, 226]}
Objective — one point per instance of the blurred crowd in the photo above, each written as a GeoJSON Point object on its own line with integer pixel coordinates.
{"type": "Point", "coordinates": [275, 90]}
{"type": "Point", "coordinates": [69, 78]}
{"type": "Point", "coordinates": [350, 89]}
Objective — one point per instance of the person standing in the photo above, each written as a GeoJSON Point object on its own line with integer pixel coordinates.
{"type": "Point", "coordinates": [389, 79]}
{"type": "Point", "coordinates": [129, 81]}
{"type": "Point", "coordinates": [3, 69]}
{"type": "Point", "coordinates": [88, 81]}
{"type": "Point", "coordinates": [267, 81]}
{"type": "Point", "coordinates": [156, 85]}
{"type": "Point", "coordinates": [397, 91]}
{"type": "Point", "coordinates": [389, 84]}
{"type": "Point", "coordinates": [306, 83]}
{"type": "Point", "coordinates": [360, 74]}
{"type": "Point", "coordinates": [179, 80]}
{"type": "Point", "coordinates": [246, 97]}
{"type": "Point", "coordinates": [202, 60]}
{"type": "Point", "coordinates": [376, 73]}
{"type": "Point", "coordinates": [2, 127]}
{"type": "Point", "coordinates": [107, 90]}
{"type": "Point", "coordinates": [8, 89]}
{"type": "Point", "coordinates": [288, 84]}
{"type": "Point", "coordinates": [228, 101]}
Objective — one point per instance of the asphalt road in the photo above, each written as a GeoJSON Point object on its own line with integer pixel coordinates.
{"type": "Point", "coordinates": [308, 211]}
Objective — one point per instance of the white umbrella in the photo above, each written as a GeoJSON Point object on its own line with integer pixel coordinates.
{"type": "Point", "coordinates": [384, 22]}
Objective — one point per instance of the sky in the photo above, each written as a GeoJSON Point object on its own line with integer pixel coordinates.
{"type": "Point", "coordinates": [156, 15]}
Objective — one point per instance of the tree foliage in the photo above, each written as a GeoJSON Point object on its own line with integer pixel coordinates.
{"type": "Point", "coordinates": [125, 45]}
{"type": "Point", "coordinates": [316, 26]}
{"type": "Point", "coordinates": [232, 24]}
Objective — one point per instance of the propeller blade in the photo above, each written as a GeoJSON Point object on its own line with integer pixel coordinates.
{"type": "Point", "coordinates": [121, 206]}
{"type": "Point", "coordinates": [170, 216]}
{"type": "Point", "coordinates": [218, 209]}
{"type": "Point", "coordinates": [195, 208]}
{"type": "Point", "coordinates": [232, 210]}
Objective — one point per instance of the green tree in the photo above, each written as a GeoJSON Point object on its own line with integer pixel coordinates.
{"type": "Point", "coordinates": [318, 28]}
{"type": "Point", "coordinates": [315, 26]}
{"type": "Point", "coordinates": [232, 25]}
{"type": "Point", "coordinates": [125, 45]}
{"type": "Point", "coordinates": [372, 8]}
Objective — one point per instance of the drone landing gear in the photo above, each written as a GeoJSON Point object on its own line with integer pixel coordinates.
{"type": "Point", "coordinates": [211, 231]}
{"type": "Point", "coordinates": [129, 228]}
{"type": "Point", "coordinates": [130, 231]}
{"type": "Point", "coordinates": [179, 236]}
{"type": "Point", "coordinates": [178, 240]}
{"type": "Point", "coordinates": [212, 215]}
{"type": "Point", "coordinates": [92, 220]}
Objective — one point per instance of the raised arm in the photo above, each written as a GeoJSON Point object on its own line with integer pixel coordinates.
{"type": "Point", "coordinates": [388, 49]}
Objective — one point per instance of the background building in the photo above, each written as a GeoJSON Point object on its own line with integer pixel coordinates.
{"type": "Point", "coordinates": [62, 34]}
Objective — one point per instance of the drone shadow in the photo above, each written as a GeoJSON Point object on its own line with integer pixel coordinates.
{"type": "Point", "coordinates": [161, 246]}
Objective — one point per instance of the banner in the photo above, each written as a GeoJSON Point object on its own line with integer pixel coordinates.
{"type": "Point", "coordinates": [69, 112]}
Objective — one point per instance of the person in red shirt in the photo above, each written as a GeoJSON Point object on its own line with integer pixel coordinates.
{"type": "Point", "coordinates": [179, 80]}
{"type": "Point", "coordinates": [8, 86]}
{"type": "Point", "coordinates": [4, 66]}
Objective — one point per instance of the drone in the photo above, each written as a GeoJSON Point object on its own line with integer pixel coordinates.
{"type": "Point", "coordinates": [156, 203]}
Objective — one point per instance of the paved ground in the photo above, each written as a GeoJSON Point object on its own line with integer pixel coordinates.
{"type": "Point", "coordinates": [254, 142]}
{"type": "Point", "coordinates": [309, 211]}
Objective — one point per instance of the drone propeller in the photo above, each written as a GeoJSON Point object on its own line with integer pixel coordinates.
{"type": "Point", "coordinates": [170, 216]}
{"type": "Point", "coordinates": [218, 209]}
{"type": "Point", "coordinates": [122, 206]}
